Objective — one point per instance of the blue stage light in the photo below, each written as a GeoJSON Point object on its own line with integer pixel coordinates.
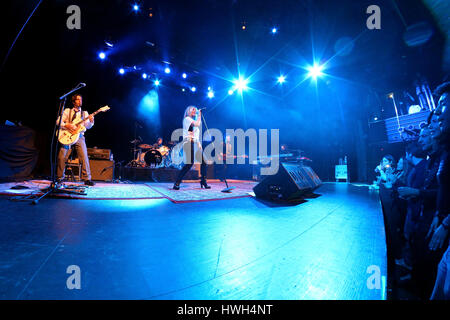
{"type": "Point", "coordinates": [193, 89]}
{"type": "Point", "coordinates": [184, 75]}
{"type": "Point", "coordinates": [144, 76]}
{"type": "Point", "coordinates": [102, 55]}
{"type": "Point", "coordinates": [315, 71]}
{"type": "Point", "coordinates": [281, 79]}
{"type": "Point", "coordinates": [167, 70]}
{"type": "Point", "coordinates": [274, 30]}
{"type": "Point", "coordinates": [210, 94]}
{"type": "Point", "coordinates": [230, 92]}
{"type": "Point", "coordinates": [240, 84]}
{"type": "Point", "coordinates": [157, 82]}
{"type": "Point", "coordinates": [121, 70]}
{"type": "Point", "coordinates": [136, 7]}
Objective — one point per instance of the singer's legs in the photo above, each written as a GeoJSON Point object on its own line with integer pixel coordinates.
{"type": "Point", "coordinates": [188, 149]}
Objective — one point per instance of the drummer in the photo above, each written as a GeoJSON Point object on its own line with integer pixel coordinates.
{"type": "Point", "coordinates": [158, 143]}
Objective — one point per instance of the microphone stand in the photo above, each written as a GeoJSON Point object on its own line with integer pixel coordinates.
{"type": "Point", "coordinates": [54, 187]}
{"type": "Point", "coordinates": [227, 189]}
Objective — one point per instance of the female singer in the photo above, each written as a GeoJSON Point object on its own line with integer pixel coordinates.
{"type": "Point", "coordinates": [192, 122]}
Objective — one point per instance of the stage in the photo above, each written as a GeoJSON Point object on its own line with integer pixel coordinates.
{"type": "Point", "coordinates": [157, 246]}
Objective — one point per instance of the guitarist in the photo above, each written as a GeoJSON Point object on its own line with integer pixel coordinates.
{"type": "Point", "coordinates": [72, 115]}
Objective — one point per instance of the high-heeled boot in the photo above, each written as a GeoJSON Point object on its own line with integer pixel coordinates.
{"type": "Point", "coordinates": [203, 184]}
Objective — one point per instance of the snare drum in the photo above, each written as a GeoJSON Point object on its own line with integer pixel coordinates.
{"type": "Point", "coordinates": [163, 150]}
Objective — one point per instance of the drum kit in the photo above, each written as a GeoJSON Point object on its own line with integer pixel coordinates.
{"type": "Point", "coordinates": [146, 155]}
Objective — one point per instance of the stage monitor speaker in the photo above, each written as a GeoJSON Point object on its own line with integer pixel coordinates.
{"type": "Point", "coordinates": [290, 182]}
{"type": "Point", "coordinates": [102, 170]}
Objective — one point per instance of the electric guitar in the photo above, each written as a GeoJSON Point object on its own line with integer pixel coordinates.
{"type": "Point", "coordinates": [69, 137]}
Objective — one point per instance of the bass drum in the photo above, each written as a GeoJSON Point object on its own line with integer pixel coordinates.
{"type": "Point", "coordinates": [152, 156]}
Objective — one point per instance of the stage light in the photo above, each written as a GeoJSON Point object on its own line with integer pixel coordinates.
{"type": "Point", "coordinates": [184, 75]}
{"type": "Point", "coordinates": [157, 82]}
{"type": "Point", "coordinates": [144, 76]}
{"type": "Point", "coordinates": [136, 7]}
{"type": "Point", "coordinates": [121, 70]}
{"type": "Point", "coordinates": [281, 79]}
{"type": "Point", "coordinates": [230, 92]}
{"type": "Point", "coordinates": [167, 70]}
{"type": "Point", "coordinates": [240, 84]}
{"type": "Point", "coordinates": [193, 89]}
{"type": "Point", "coordinates": [183, 89]}
{"type": "Point", "coordinates": [209, 88]}
{"type": "Point", "coordinates": [102, 55]}
{"type": "Point", "coordinates": [210, 94]}
{"type": "Point", "coordinates": [315, 71]}
{"type": "Point", "coordinates": [274, 30]}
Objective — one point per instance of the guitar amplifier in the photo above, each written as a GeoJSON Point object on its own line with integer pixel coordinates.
{"type": "Point", "coordinates": [99, 154]}
{"type": "Point", "coordinates": [102, 170]}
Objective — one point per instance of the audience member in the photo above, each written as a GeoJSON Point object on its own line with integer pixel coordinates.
{"type": "Point", "coordinates": [441, 222]}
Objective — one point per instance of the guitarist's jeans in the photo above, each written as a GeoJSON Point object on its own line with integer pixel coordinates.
{"type": "Point", "coordinates": [63, 155]}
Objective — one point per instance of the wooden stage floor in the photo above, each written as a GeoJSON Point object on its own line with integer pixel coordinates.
{"type": "Point", "coordinates": [328, 247]}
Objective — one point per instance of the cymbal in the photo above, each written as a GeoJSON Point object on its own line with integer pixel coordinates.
{"type": "Point", "coordinates": [145, 146]}
{"type": "Point", "coordinates": [135, 141]}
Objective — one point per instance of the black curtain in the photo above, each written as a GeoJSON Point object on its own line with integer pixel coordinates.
{"type": "Point", "coordinates": [18, 152]}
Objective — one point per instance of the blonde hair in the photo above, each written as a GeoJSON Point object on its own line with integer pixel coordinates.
{"type": "Point", "coordinates": [187, 111]}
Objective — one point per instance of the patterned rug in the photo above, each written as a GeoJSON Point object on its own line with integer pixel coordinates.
{"type": "Point", "coordinates": [190, 191]}
{"type": "Point", "coordinates": [101, 190]}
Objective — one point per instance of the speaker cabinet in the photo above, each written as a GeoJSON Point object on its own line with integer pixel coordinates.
{"type": "Point", "coordinates": [290, 182]}
{"type": "Point", "coordinates": [102, 170]}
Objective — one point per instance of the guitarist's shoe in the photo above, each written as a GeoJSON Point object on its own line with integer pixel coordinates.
{"type": "Point", "coordinates": [89, 183]}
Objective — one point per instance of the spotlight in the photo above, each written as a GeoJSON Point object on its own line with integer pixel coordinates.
{"type": "Point", "coordinates": [157, 83]}
{"type": "Point", "coordinates": [281, 79]}
{"type": "Point", "coordinates": [183, 89]}
{"type": "Point", "coordinates": [274, 30]}
{"type": "Point", "coordinates": [315, 71]}
{"type": "Point", "coordinates": [184, 75]}
{"type": "Point", "coordinates": [144, 76]}
{"type": "Point", "coordinates": [167, 70]}
{"type": "Point", "coordinates": [102, 55]}
{"type": "Point", "coordinates": [241, 84]}
{"type": "Point", "coordinates": [121, 70]}
{"type": "Point", "coordinates": [230, 92]}
{"type": "Point", "coordinates": [193, 89]}
{"type": "Point", "coordinates": [210, 94]}
{"type": "Point", "coordinates": [136, 7]}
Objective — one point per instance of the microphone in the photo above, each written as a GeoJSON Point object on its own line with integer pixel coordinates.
{"type": "Point", "coordinates": [204, 108]}
{"type": "Point", "coordinates": [82, 84]}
